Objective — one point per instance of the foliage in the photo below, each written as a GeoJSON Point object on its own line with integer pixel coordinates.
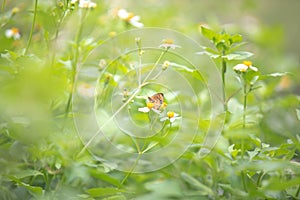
{"type": "Point", "coordinates": [50, 56]}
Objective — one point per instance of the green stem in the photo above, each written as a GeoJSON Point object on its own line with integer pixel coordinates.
{"type": "Point", "coordinates": [243, 180]}
{"type": "Point", "coordinates": [75, 66]}
{"type": "Point", "coordinates": [60, 21]}
{"type": "Point", "coordinates": [224, 67]}
{"type": "Point", "coordinates": [259, 178]}
{"type": "Point", "coordinates": [156, 63]}
{"type": "Point", "coordinates": [32, 27]}
{"type": "Point", "coordinates": [139, 70]}
{"type": "Point", "coordinates": [298, 191]}
{"type": "Point", "coordinates": [244, 113]}
{"type": "Point", "coordinates": [245, 105]}
{"type": "Point", "coordinates": [132, 168]}
{"type": "Point", "coordinates": [3, 6]}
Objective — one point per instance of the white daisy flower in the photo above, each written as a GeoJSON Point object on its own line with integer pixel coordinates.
{"type": "Point", "coordinates": [243, 67]}
{"type": "Point", "coordinates": [13, 33]}
{"type": "Point", "coordinates": [172, 116]}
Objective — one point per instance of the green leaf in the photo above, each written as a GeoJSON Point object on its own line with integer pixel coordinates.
{"type": "Point", "coordinates": [279, 184]}
{"type": "Point", "coordinates": [235, 191]}
{"type": "Point", "coordinates": [32, 189]}
{"type": "Point", "coordinates": [100, 192]}
{"type": "Point", "coordinates": [208, 33]}
{"type": "Point", "coordinates": [164, 188]}
{"type": "Point", "coordinates": [221, 46]}
{"type": "Point", "coordinates": [196, 184]}
{"type": "Point", "coordinates": [27, 173]}
{"type": "Point", "coordinates": [276, 74]}
{"type": "Point", "coordinates": [236, 38]}
{"type": "Point", "coordinates": [210, 50]}
{"type": "Point", "coordinates": [238, 55]}
{"type": "Point", "coordinates": [253, 80]}
{"type": "Point", "coordinates": [183, 68]}
{"type": "Point", "coordinates": [252, 76]}
{"type": "Point", "coordinates": [105, 177]}
{"type": "Point", "coordinates": [298, 113]}
{"type": "Point", "coordinates": [212, 55]}
{"type": "Point", "coordinates": [116, 197]}
{"type": "Point", "coordinates": [233, 152]}
{"type": "Point", "coordinates": [252, 154]}
{"type": "Point", "coordinates": [255, 140]}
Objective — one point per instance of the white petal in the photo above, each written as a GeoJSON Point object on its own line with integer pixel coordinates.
{"type": "Point", "coordinates": [123, 14]}
{"type": "Point", "coordinates": [144, 109]}
{"type": "Point", "coordinates": [176, 115]}
{"type": "Point", "coordinates": [134, 21]}
{"type": "Point", "coordinates": [240, 67]}
{"type": "Point", "coordinates": [8, 33]}
{"type": "Point", "coordinates": [254, 68]}
{"type": "Point", "coordinates": [172, 119]}
{"type": "Point", "coordinates": [164, 119]}
{"type": "Point", "coordinates": [135, 18]}
{"type": "Point", "coordinates": [17, 36]}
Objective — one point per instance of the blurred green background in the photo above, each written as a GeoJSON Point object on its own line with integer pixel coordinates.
{"type": "Point", "coordinates": [39, 143]}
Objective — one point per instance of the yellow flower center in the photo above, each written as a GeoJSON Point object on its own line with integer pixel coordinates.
{"type": "Point", "coordinates": [247, 63]}
{"type": "Point", "coordinates": [170, 114]}
{"type": "Point", "coordinates": [15, 31]}
{"type": "Point", "coordinates": [165, 65]}
{"type": "Point", "coordinates": [150, 105]}
{"type": "Point", "coordinates": [168, 41]}
{"type": "Point", "coordinates": [112, 34]}
{"type": "Point", "coordinates": [129, 16]}
{"type": "Point", "coordinates": [15, 10]}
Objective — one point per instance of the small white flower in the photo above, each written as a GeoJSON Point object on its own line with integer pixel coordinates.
{"type": "Point", "coordinates": [86, 90]}
{"type": "Point", "coordinates": [123, 14]}
{"type": "Point", "coordinates": [130, 18]}
{"type": "Point", "coordinates": [172, 116]}
{"type": "Point", "coordinates": [168, 43]}
{"type": "Point", "coordinates": [165, 65]}
{"type": "Point", "coordinates": [146, 109]}
{"type": "Point", "coordinates": [240, 67]}
{"type": "Point", "coordinates": [13, 33]}
{"type": "Point", "coordinates": [243, 67]}
{"type": "Point", "coordinates": [87, 4]}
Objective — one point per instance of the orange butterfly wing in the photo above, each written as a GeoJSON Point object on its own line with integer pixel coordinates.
{"type": "Point", "coordinates": [157, 100]}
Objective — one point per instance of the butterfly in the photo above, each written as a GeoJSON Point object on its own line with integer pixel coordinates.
{"type": "Point", "coordinates": [157, 100]}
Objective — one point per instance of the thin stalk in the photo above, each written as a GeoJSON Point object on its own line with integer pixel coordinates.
{"type": "Point", "coordinates": [3, 5]}
{"type": "Point", "coordinates": [139, 70]}
{"type": "Point", "coordinates": [137, 145]}
{"type": "Point", "coordinates": [74, 66]}
{"type": "Point", "coordinates": [298, 191]}
{"type": "Point", "coordinates": [244, 115]}
{"type": "Point", "coordinates": [245, 105]}
{"type": "Point", "coordinates": [224, 68]}
{"type": "Point", "coordinates": [260, 176]}
{"type": "Point", "coordinates": [156, 63]}
{"type": "Point", "coordinates": [32, 27]}
{"type": "Point", "coordinates": [243, 180]}
{"type": "Point", "coordinates": [131, 170]}
{"type": "Point", "coordinates": [58, 27]}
